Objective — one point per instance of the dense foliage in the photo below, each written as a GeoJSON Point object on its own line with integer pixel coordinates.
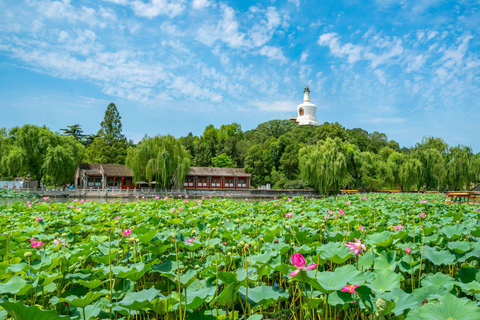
{"type": "Point", "coordinates": [160, 158]}
{"type": "Point", "coordinates": [330, 157]}
{"type": "Point", "coordinates": [348, 257]}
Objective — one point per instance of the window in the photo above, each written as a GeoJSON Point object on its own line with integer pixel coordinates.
{"type": "Point", "coordinates": [188, 182]}
{"type": "Point", "coordinates": [216, 183]}
{"type": "Point", "coordinates": [229, 183]}
{"type": "Point", "coordinates": [242, 183]}
{"type": "Point", "coordinates": [111, 182]}
{"type": "Point", "coordinates": [202, 182]}
{"type": "Point", "coordinates": [94, 182]}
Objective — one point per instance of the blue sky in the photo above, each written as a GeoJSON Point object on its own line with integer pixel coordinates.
{"type": "Point", "coordinates": [408, 68]}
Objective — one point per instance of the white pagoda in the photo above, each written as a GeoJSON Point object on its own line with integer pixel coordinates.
{"type": "Point", "coordinates": [306, 111]}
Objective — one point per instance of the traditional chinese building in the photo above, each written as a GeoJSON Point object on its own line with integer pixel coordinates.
{"type": "Point", "coordinates": [217, 178]}
{"type": "Point", "coordinates": [102, 176]}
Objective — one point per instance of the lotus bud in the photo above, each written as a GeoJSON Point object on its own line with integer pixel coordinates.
{"type": "Point", "coordinates": [194, 231]}
{"type": "Point", "coordinates": [80, 258]}
{"type": "Point", "coordinates": [225, 243]}
{"type": "Point", "coordinates": [246, 246]}
{"type": "Point", "coordinates": [172, 235]}
{"type": "Point", "coordinates": [27, 254]}
{"type": "Point", "coordinates": [292, 243]}
{"type": "Point", "coordinates": [197, 266]}
{"type": "Point", "coordinates": [229, 254]}
{"type": "Point", "coordinates": [261, 239]}
{"type": "Point", "coordinates": [276, 240]}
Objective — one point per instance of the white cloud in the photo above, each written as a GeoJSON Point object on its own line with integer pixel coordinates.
{"type": "Point", "coordinates": [303, 57]}
{"type": "Point", "coordinates": [273, 53]}
{"type": "Point", "coordinates": [226, 30]}
{"type": "Point", "coordinates": [156, 8]}
{"type": "Point", "coordinates": [202, 4]}
{"type": "Point", "coordinates": [381, 76]}
{"type": "Point", "coordinates": [352, 52]}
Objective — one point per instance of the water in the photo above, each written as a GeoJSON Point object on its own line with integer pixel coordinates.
{"type": "Point", "coordinates": [8, 201]}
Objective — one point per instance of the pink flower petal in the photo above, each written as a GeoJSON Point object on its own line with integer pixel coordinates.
{"type": "Point", "coordinates": [311, 266]}
{"type": "Point", "coordinates": [294, 273]}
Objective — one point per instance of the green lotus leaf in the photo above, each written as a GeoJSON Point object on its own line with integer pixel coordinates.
{"type": "Point", "coordinates": [438, 257]}
{"type": "Point", "coordinates": [335, 252]}
{"type": "Point", "coordinates": [336, 280]}
{"type": "Point", "coordinates": [80, 302]}
{"type": "Point", "coordinates": [454, 232]}
{"type": "Point", "coordinates": [15, 285]}
{"type": "Point", "coordinates": [470, 287]}
{"type": "Point", "coordinates": [429, 293]}
{"type": "Point", "coordinates": [386, 261]}
{"type": "Point", "coordinates": [195, 298]}
{"type": "Point", "coordinates": [382, 239]}
{"type": "Point", "coordinates": [449, 308]}
{"type": "Point", "coordinates": [138, 300]}
{"type": "Point", "coordinates": [262, 295]}
{"type": "Point", "coordinates": [385, 280]}
{"type": "Point", "coordinates": [227, 297]}
{"type": "Point", "coordinates": [19, 311]}
{"type": "Point", "coordinates": [403, 301]}
{"type": "Point", "coordinates": [90, 284]}
{"type": "Point", "coordinates": [264, 257]}
{"type": "Point", "coordinates": [460, 246]}
{"type": "Point", "coordinates": [439, 279]}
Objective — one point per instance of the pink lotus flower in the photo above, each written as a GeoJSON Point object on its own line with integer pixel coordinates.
{"type": "Point", "coordinates": [39, 219]}
{"type": "Point", "coordinates": [127, 232]}
{"type": "Point", "coordinates": [32, 239]}
{"type": "Point", "coordinates": [59, 241]}
{"type": "Point", "coordinates": [166, 198]}
{"type": "Point", "coordinates": [179, 195]}
{"type": "Point", "coordinates": [53, 209]}
{"type": "Point", "coordinates": [335, 216]}
{"type": "Point", "coordinates": [365, 198]}
{"type": "Point", "coordinates": [136, 197]}
{"type": "Point", "coordinates": [45, 198]}
{"type": "Point", "coordinates": [398, 228]}
{"type": "Point", "coordinates": [185, 201]}
{"type": "Point", "coordinates": [361, 228]}
{"type": "Point", "coordinates": [261, 210]}
{"type": "Point", "coordinates": [329, 211]}
{"type": "Point", "coordinates": [157, 197]}
{"type": "Point", "coordinates": [172, 210]}
{"type": "Point", "coordinates": [399, 199]}
{"type": "Point", "coordinates": [75, 200]}
{"type": "Point", "coordinates": [88, 200]}
{"type": "Point", "coordinates": [478, 210]}
{"type": "Point", "coordinates": [350, 288]}
{"type": "Point", "coordinates": [189, 240]}
{"type": "Point", "coordinates": [389, 198]}
{"type": "Point", "coordinates": [180, 208]}
{"type": "Point", "coordinates": [71, 207]}
{"type": "Point", "coordinates": [348, 202]}
{"type": "Point", "coordinates": [203, 198]}
{"type": "Point", "coordinates": [299, 262]}
{"type": "Point", "coordinates": [357, 247]}
{"type": "Point", "coordinates": [288, 215]}
{"type": "Point", "coordinates": [422, 215]}
{"type": "Point", "coordinates": [424, 202]}
{"type": "Point", "coordinates": [264, 203]}
{"type": "Point", "coordinates": [288, 199]}
{"type": "Point", "coordinates": [81, 201]}
{"type": "Point", "coordinates": [37, 244]}
{"type": "Point", "coordinates": [326, 217]}
{"type": "Point", "coordinates": [276, 204]}
{"type": "Point", "coordinates": [27, 202]}
{"type": "Point", "coordinates": [340, 212]}
{"type": "Point", "coordinates": [275, 198]}
{"type": "Point", "coordinates": [408, 250]}
{"type": "Point", "coordinates": [116, 218]}
{"type": "Point", "coordinates": [186, 197]}
{"type": "Point", "coordinates": [30, 205]}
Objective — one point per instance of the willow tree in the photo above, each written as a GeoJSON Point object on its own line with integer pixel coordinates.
{"type": "Point", "coordinates": [12, 163]}
{"type": "Point", "coordinates": [62, 160]}
{"type": "Point", "coordinates": [461, 167]}
{"type": "Point", "coordinates": [410, 173]}
{"type": "Point", "coordinates": [323, 165]}
{"type": "Point", "coordinates": [433, 168]}
{"type": "Point", "coordinates": [160, 158]}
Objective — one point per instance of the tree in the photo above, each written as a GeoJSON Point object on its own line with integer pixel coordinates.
{"type": "Point", "coordinates": [323, 165]}
{"type": "Point", "coordinates": [258, 164]}
{"type": "Point", "coordinates": [162, 158]}
{"type": "Point", "coordinates": [74, 131]}
{"type": "Point", "coordinates": [432, 167]}
{"type": "Point", "coordinates": [330, 130]}
{"type": "Point", "coordinates": [461, 168]}
{"type": "Point", "coordinates": [110, 145]}
{"type": "Point", "coordinates": [62, 160]}
{"type": "Point", "coordinates": [223, 161]}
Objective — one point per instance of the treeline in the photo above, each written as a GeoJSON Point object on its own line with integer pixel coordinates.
{"type": "Point", "coordinates": [279, 152]}
{"type": "Point", "coordinates": [329, 157]}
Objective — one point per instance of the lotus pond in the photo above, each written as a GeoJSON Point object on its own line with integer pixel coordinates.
{"type": "Point", "coordinates": [406, 256]}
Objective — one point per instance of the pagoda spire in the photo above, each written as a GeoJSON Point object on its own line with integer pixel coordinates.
{"type": "Point", "coordinates": [306, 96]}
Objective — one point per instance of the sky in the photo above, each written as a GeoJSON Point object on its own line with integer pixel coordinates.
{"type": "Point", "coordinates": [407, 68]}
